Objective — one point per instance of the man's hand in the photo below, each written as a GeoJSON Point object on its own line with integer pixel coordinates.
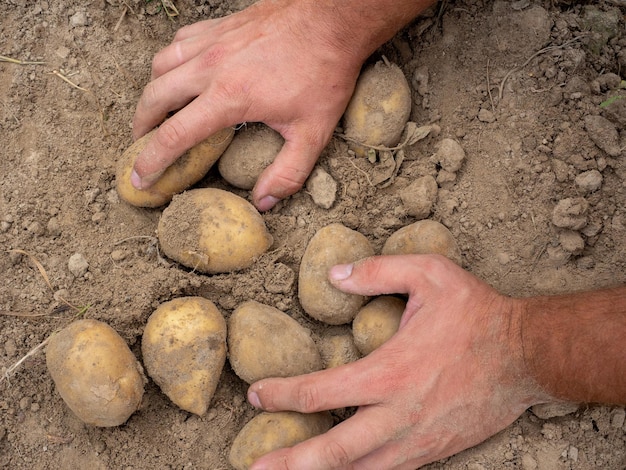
{"type": "Point", "coordinates": [271, 63]}
{"type": "Point", "coordinates": [452, 376]}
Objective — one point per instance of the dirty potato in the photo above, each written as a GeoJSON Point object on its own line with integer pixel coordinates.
{"type": "Point", "coordinates": [180, 175]}
{"type": "Point", "coordinates": [423, 237]}
{"type": "Point", "coordinates": [265, 342]}
{"type": "Point", "coordinates": [267, 432]}
{"type": "Point", "coordinates": [212, 231]}
{"type": "Point", "coordinates": [184, 351]}
{"type": "Point", "coordinates": [379, 108]}
{"type": "Point", "coordinates": [95, 372]}
{"type": "Point", "coordinates": [331, 245]}
{"type": "Point", "coordinates": [253, 148]}
{"type": "Point", "coordinates": [376, 322]}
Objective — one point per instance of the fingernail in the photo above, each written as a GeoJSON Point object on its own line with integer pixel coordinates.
{"type": "Point", "coordinates": [254, 400]}
{"type": "Point", "coordinates": [267, 202]}
{"type": "Point", "coordinates": [135, 180]}
{"type": "Point", "coordinates": [340, 272]}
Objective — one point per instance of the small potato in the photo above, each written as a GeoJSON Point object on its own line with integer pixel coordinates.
{"type": "Point", "coordinates": [95, 372]}
{"type": "Point", "coordinates": [253, 148]}
{"type": "Point", "coordinates": [376, 322]}
{"type": "Point", "coordinates": [212, 231]}
{"type": "Point", "coordinates": [331, 245]}
{"type": "Point", "coordinates": [265, 342]}
{"type": "Point", "coordinates": [267, 432]}
{"type": "Point", "coordinates": [184, 351]}
{"type": "Point", "coordinates": [379, 108]}
{"type": "Point", "coordinates": [423, 237]}
{"type": "Point", "coordinates": [180, 175]}
{"type": "Point", "coordinates": [337, 347]}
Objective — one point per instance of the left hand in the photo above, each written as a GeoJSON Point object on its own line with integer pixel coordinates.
{"type": "Point", "coordinates": [452, 376]}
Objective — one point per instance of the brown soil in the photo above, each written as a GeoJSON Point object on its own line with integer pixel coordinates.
{"type": "Point", "coordinates": [531, 91]}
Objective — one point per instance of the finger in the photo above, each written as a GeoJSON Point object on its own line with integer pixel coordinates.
{"type": "Point", "coordinates": [389, 274]}
{"type": "Point", "coordinates": [197, 121]}
{"type": "Point", "coordinates": [343, 386]}
{"type": "Point", "coordinates": [176, 54]}
{"type": "Point", "coordinates": [288, 171]}
{"type": "Point", "coordinates": [366, 431]}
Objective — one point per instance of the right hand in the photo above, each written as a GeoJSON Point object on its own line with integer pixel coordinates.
{"type": "Point", "coordinates": [278, 62]}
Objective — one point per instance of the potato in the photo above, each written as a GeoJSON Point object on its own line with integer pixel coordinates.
{"type": "Point", "coordinates": [180, 175]}
{"type": "Point", "coordinates": [376, 322]}
{"type": "Point", "coordinates": [267, 432]}
{"type": "Point", "coordinates": [265, 342]}
{"type": "Point", "coordinates": [423, 237]}
{"type": "Point", "coordinates": [95, 372]}
{"type": "Point", "coordinates": [337, 347]}
{"type": "Point", "coordinates": [212, 231]}
{"type": "Point", "coordinates": [253, 148]}
{"type": "Point", "coordinates": [331, 245]}
{"type": "Point", "coordinates": [184, 351]}
{"type": "Point", "coordinates": [379, 108]}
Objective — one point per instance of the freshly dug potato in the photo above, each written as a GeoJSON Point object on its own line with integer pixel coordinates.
{"type": "Point", "coordinates": [184, 172]}
{"type": "Point", "coordinates": [379, 108]}
{"type": "Point", "coordinates": [184, 351]}
{"type": "Point", "coordinates": [253, 148]}
{"type": "Point", "coordinates": [376, 322]}
{"type": "Point", "coordinates": [337, 347]}
{"type": "Point", "coordinates": [95, 372]}
{"type": "Point", "coordinates": [265, 342]}
{"type": "Point", "coordinates": [267, 432]}
{"type": "Point", "coordinates": [331, 245]}
{"type": "Point", "coordinates": [423, 237]}
{"type": "Point", "coordinates": [212, 231]}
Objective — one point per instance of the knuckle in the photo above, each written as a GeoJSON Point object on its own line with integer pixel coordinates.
{"type": "Point", "coordinates": [307, 398]}
{"type": "Point", "coordinates": [335, 455]}
{"type": "Point", "coordinates": [212, 55]}
{"type": "Point", "coordinates": [171, 135]}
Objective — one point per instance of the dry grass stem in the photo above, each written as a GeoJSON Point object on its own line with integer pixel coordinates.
{"type": "Point", "coordinates": [19, 62]}
{"type": "Point", "coordinates": [16, 365]}
{"type": "Point", "coordinates": [119, 22]}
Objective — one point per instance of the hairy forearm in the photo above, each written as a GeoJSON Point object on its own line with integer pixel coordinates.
{"type": "Point", "coordinates": [361, 26]}
{"type": "Point", "coordinates": [575, 345]}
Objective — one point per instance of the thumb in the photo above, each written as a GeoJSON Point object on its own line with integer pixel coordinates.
{"type": "Point", "coordinates": [287, 173]}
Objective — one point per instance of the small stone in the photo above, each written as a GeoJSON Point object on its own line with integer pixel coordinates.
{"type": "Point", "coordinates": [25, 403]}
{"type": "Point", "coordinates": [484, 115]}
{"type": "Point", "coordinates": [618, 417]}
{"type": "Point", "coordinates": [528, 462]}
{"type": "Point", "coordinates": [10, 348]}
{"type": "Point", "coordinates": [78, 265]}
{"type": "Point", "coordinates": [571, 213]}
{"type": "Point", "coordinates": [322, 188]}
{"type": "Point", "coordinates": [420, 80]}
{"type": "Point", "coordinates": [572, 453]}
{"type": "Point", "coordinates": [604, 134]}
{"type": "Point", "coordinates": [36, 228]}
{"type": "Point", "coordinates": [5, 226]}
{"type": "Point", "coordinates": [561, 170]}
{"type": "Point", "coordinates": [571, 241]}
{"type": "Point", "coordinates": [419, 197]}
{"type": "Point", "coordinates": [79, 19]}
{"type": "Point", "coordinates": [450, 155]}
{"type": "Point", "coordinates": [589, 181]}
{"type": "Point", "coordinates": [118, 255]}
{"type": "Point", "coordinates": [63, 52]}
{"type": "Point", "coordinates": [503, 258]}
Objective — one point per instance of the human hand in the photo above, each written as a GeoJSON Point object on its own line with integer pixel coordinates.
{"type": "Point", "coordinates": [277, 62]}
{"type": "Point", "coordinates": [452, 376]}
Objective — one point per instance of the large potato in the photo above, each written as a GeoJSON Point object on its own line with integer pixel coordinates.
{"type": "Point", "coordinates": [267, 432]}
{"type": "Point", "coordinates": [212, 231]}
{"type": "Point", "coordinates": [265, 342]}
{"type": "Point", "coordinates": [95, 372]}
{"type": "Point", "coordinates": [184, 351]}
{"type": "Point", "coordinates": [376, 322]}
{"type": "Point", "coordinates": [180, 175]}
{"type": "Point", "coordinates": [423, 237]}
{"type": "Point", "coordinates": [379, 108]}
{"type": "Point", "coordinates": [331, 245]}
{"type": "Point", "coordinates": [253, 148]}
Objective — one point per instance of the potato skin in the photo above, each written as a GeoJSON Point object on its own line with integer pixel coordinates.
{"type": "Point", "coordinates": [265, 342]}
{"type": "Point", "coordinates": [376, 322]}
{"type": "Point", "coordinates": [95, 372]}
{"type": "Point", "coordinates": [212, 231]}
{"type": "Point", "coordinates": [253, 148]}
{"type": "Point", "coordinates": [337, 347]}
{"type": "Point", "coordinates": [267, 432]}
{"type": "Point", "coordinates": [379, 108]}
{"type": "Point", "coordinates": [331, 245]}
{"type": "Point", "coordinates": [184, 351]}
{"type": "Point", "coordinates": [423, 237]}
{"type": "Point", "coordinates": [180, 175]}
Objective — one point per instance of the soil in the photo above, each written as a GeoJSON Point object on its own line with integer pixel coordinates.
{"type": "Point", "coordinates": [530, 89]}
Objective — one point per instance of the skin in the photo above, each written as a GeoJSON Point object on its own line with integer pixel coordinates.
{"type": "Point", "coordinates": [483, 359]}
{"type": "Point", "coordinates": [291, 64]}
